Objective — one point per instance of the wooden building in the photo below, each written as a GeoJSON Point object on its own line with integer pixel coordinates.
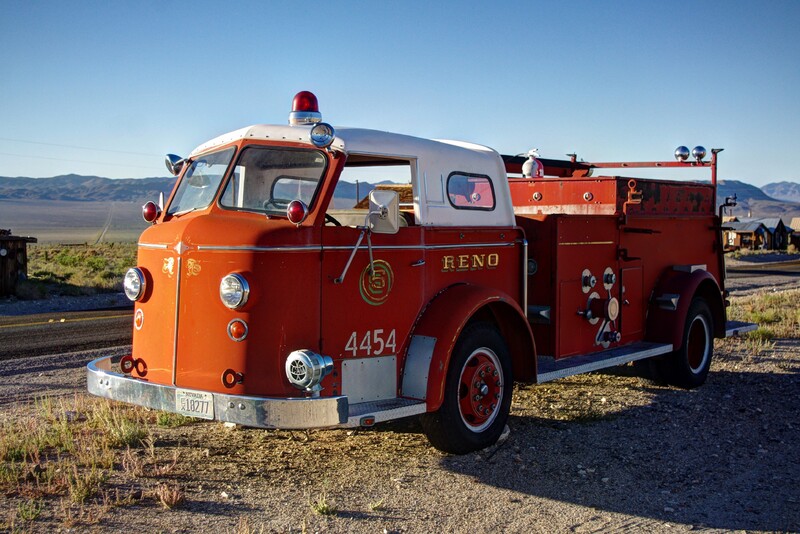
{"type": "Point", "coordinates": [13, 261]}
{"type": "Point", "coordinates": [767, 233]}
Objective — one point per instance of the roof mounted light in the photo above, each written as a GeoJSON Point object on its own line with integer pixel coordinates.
{"type": "Point", "coordinates": [699, 153]}
{"type": "Point", "coordinates": [682, 153]}
{"type": "Point", "coordinates": [305, 109]}
{"type": "Point", "coordinates": [322, 135]}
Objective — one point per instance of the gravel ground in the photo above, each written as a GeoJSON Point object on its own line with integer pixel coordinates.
{"type": "Point", "coordinates": [593, 453]}
{"type": "Point", "coordinates": [599, 452]}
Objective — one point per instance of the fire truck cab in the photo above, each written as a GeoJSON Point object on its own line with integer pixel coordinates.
{"type": "Point", "coordinates": [270, 294]}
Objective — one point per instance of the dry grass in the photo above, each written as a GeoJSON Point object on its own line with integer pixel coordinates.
{"type": "Point", "coordinates": [73, 460]}
{"type": "Point", "coordinates": [776, 313]}
{"type": "Point", "coordinates": [76, 269]}
{"type": "Point", "coordinates": [170, 495]}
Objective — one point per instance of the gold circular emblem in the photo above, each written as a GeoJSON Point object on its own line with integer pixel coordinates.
{"type": "Point", "coordinates": [375, 286]}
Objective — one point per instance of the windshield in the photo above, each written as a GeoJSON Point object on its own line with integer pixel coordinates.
{"type": "Point", "coordinates": [267, 179]}
{"type": "Point", "coordinates": [200, 182]}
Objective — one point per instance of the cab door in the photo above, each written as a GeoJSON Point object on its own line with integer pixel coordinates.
{"type": "Point", "coordinates": [368, 310]}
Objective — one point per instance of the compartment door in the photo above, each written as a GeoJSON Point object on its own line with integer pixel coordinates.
{"type": "Point", "coordinates": [632, 307]}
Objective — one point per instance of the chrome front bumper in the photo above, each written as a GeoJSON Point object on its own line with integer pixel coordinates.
{"type": "Point", "coordinates": [260, 412]}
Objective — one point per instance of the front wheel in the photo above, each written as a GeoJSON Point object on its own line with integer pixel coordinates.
{"type": "Point", "coordinates": [477, 396]}
{"type": "Point", "coordinates": [688, 366]}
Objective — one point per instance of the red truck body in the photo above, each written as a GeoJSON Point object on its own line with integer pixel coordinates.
{"type": "Point", "coordinates": [263, 297]}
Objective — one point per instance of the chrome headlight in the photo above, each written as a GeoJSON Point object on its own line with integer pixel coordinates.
{"type": "Point", "coordinates": [234, 291]}
{"type": "Point", "coordinates": [134, 284]}
{"type": "Point", "coordinates": [306, 369]}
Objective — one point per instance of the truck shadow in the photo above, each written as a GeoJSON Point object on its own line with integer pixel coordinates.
{"type": "Point", "coordinates": [723, 456]}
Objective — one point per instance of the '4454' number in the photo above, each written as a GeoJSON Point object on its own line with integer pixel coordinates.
{"type": "Point", "coordinates": [373, 343]}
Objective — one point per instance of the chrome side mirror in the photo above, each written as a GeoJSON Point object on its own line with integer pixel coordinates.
{"type": "Point", "coordinates": [174, 164]}
{"type": "Point", "coordinates": [384, 212]}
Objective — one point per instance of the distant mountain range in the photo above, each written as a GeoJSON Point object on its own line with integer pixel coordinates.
{"type": "Point", "coordinates": [789, 191]}
{"type": "Point", "coordinates": [87, 188]}
{"type": "Point", "coordinates": [773, 200]}
{"type": "Point", "coordinates": [755, 202]}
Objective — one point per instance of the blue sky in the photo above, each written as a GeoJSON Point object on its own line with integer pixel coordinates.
{"type": "Point", "coordinates": [107, 88]}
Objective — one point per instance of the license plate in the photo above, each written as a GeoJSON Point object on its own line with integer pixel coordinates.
{"type": "Point", "coordinates": [194, 403]}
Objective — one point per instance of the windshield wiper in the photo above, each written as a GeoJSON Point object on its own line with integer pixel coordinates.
{"type": "Point", "coordinates": [184, 212]}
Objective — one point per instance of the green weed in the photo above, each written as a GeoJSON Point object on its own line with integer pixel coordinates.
{"type": "Point", "coordinates": [173, 420]}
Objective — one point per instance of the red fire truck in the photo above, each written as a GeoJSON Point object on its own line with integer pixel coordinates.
{"type": "Point", "coordinates": [268, 294]}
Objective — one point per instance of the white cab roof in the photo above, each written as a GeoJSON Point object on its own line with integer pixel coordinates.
{"type": "Point", "coordinates": [432, 162]}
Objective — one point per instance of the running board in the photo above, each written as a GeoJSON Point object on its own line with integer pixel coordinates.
{"type": "Point", "coordinates": [383, 410]}
{"type": "Point", "coordinates": [551, 369]}
{"type": "Point", "coordinates": [735, 328]}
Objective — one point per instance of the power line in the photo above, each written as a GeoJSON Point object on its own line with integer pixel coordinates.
{"type": "Point", "coordinates": [78, 147]}
{"type": "Point", "coordinates": [78, 161]}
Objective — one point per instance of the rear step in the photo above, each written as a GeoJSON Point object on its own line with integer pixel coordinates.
{"type": "Point", "coordinates": [551, 369]}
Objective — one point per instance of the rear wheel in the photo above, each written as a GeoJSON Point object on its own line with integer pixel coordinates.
{"type": "Point", "coordinates": [688, 366]}
{"type": "Point", "coordinates": [477, 396]}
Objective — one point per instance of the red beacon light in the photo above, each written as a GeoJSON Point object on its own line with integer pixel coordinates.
{"type": "Point", "coordinates": [151, 211]}
{"type": "Point", "coordinates": [305, 109]}
{"type": "Point", "coordinates": [297, 211]}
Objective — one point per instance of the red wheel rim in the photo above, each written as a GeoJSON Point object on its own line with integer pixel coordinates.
{"type": "Point", "coordinates": [480, 389]}
{"type": "Point", "coordinates": [698, 344]}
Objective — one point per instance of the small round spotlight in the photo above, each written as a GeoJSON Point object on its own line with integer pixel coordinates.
{"type": "Point", "coordinates": [322, 135]}
{"type": "Point", "coordinates": [699, 153]}
{"type": "Point", "coordinates": [682, 153]}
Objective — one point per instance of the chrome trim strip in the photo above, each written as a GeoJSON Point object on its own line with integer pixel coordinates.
{"type": "Point", "coordinates": [384, 410]}
{"type": "Point", "coordinates": [175, 333]}
{"type": "Point", "coordinates": [430, 247]}
{"type": "Point", "coordinates": [586, 243]}
{"type": "Point", "coordinates": [319, 248]}
{"type": "Point", "coordinates": [259, 412]}
{"type": "Point", "coordinates": [159, 246]}
{"type": "Point", "coordinates": [216, 248]}
{"type": "Point", "coordinates": [525, 277]}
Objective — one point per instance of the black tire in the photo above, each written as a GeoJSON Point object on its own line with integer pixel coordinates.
{"type": "Point", "coordinates": [477, 395]}
{"type": "Point", "coordinates": [688, 366]}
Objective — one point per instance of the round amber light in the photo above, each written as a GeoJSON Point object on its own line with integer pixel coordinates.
{"type": "Point", "coordinates": [237, 330]}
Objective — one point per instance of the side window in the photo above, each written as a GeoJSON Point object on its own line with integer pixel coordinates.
{"type": "Point", "coordinates": [470, 191]}
{"type": "Point", "coordinates": [362, 174]}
